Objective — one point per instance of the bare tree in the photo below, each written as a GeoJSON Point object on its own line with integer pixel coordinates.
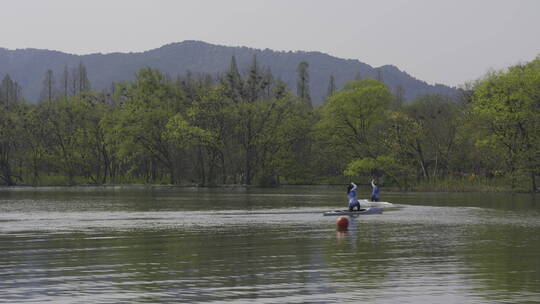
{"type": "Point", "coordinates": [48, 91]}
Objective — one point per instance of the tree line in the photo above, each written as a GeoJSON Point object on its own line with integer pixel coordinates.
{"type": "Point", "coordinates": [250, 128]}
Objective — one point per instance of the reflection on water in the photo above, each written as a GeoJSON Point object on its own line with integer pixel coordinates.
{"type": "Point", "coordinates": [168, 245]}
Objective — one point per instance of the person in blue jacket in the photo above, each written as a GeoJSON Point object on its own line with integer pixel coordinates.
{"type": "Point", "coordinates": [351, 194]}
{"type": "Point", "coordinates": [374, 191]}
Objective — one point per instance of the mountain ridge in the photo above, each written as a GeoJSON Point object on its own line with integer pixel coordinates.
{"type": "Point", "coordinates": [28, 66]}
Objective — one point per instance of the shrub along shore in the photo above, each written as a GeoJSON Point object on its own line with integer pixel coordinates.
{"type": "Point", "coordinates": [448, 185]}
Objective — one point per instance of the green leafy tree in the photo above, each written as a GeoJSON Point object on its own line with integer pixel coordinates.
{"type": "Point", "coordinates": [252, 119]}
{"type": "Point", "coordinates": [9, 143]}
{"type": "Point", "coordinates": [379, 166]}
{"type": "Point", "coordinates": [140, 127]}
{"type": "Point", "coordinates": [351, 116]}
{"type": "Point", "coordinates": [36, 136]}
{"type": "Point", "coordinates": [207, 126]}
{"type": "Point", "coordinates": [437, 118]}
{"type": "Point", "coordinates": [11, 113]}
{"type": "Point", "coordinates": [350, 124]}
{"type": "Point", "coordinates": [292, 147]}
{"type": "Point", "coordinates": [72, 137]}
{"type": "Point", "coordinates": [509, 103]}
{"type": "Point", "coordinates": [402, 138]}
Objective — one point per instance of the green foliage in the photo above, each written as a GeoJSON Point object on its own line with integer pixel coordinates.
{"type": "Point", "coordinates": [509, 103]}
{"type": "Point", "coordinates": [186, 135]}
{"type": "Point", "coordinates": [401, 138]}
{"type": "Point", "coordinates": [139, 126]}
{"type": "Point", "coordinates": [379, 166]}
{"type": "Point", "coordinates": [10, 142]}
{"type": "Point", "coordinates": [252, 130]}
{"type": "Point", "coordinates": [432, 134]}
{"type": "Point", "coordinates": [292, 155]}
{"type": "Point", "coordinates": [73, 137]}
{"type": "Point", "coordinates": [351, 117]}
{"type": "Point", "coordinates": [470, 183]}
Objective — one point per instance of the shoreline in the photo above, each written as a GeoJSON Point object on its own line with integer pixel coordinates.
{"type": "Point", "coordinates": [441, 189]}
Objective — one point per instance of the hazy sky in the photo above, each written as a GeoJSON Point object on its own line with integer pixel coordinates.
{"type": "Point", "coordinates": [450, 41]}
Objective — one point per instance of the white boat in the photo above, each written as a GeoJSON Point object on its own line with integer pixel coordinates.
{"type": "Point", "coordinates": [364, 203]}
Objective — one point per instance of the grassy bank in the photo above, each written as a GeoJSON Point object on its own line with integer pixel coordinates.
{"type": "Point", "coordinates": [470, 184]}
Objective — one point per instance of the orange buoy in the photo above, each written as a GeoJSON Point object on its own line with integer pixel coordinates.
{"type": "Point", "coordinates": [342, 223]}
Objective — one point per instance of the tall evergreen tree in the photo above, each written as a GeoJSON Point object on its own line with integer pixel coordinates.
{"type": "Point", "coordinates": [10, 91]}
{"type": "Point", "coordinates": [302, 84]}
{"type": "Point", "coordinates": [399, 98]}
{"type": "Point", "coordinates": [255, 84]}
{"type": "Point", "coordinates": [48, 90]}
{"type": "Point", "coordinates": [65, 83]}
{"type": "Point", "coordinates": [267, 82]}
{"type": "Point", "coordinates": [233, 81]}
{"type": "Point", "coordinates": [10, 139]}
{"type": "Point", "coordinates": [280, 89]}
{"type": "Point", "coordinates": [331, 86]}
{"type": "Point", "coordinates": [79, 80]}
{"type": "Point", "coordinates": [380, 75]}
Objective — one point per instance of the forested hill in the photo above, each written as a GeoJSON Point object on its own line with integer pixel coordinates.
{"type": "Point", "coordinates": [28, 66]}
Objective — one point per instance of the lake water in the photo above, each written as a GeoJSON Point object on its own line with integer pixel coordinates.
{"type": "Point", "coordinates": [188, 245]}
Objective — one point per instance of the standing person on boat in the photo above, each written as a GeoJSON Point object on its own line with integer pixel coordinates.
{"type": "Point", "coordinates": [374, 191]}
{"type": "Point", "coordinates": [351, 194]}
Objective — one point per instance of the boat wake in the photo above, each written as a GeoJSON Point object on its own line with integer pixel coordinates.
{"type": "Point", "coordinates": [364, 203]}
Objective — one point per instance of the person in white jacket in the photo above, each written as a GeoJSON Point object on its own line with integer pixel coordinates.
{"type": "Point", "coordinates": [351, 194]}
{"type": "Point", "coordinates": [374, 191]}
